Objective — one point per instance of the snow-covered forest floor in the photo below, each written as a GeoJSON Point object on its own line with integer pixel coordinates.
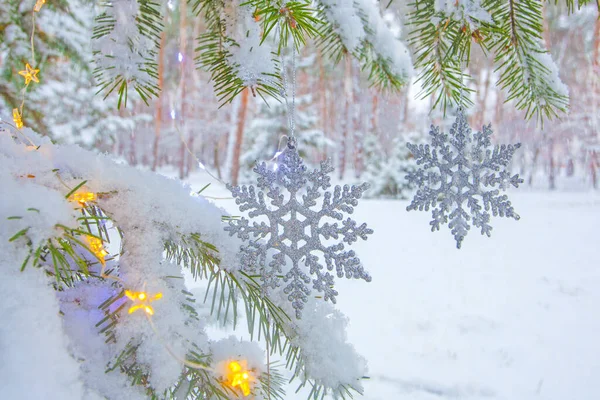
{"type": "Point", "coordinates": [512, 317]}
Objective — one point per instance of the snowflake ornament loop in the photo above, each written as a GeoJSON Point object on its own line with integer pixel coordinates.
{"type": "Point", "coordinates": [457, 171]}
{"type": "Point", "coordinates": [295, 230]}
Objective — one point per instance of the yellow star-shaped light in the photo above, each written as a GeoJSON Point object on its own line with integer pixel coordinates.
{"type": "Point", "coordinates": [83, 197]}
{"type": "Point", "coordinates": [97, 247]}
{"type": "Point", "coordinates": [239, 377]}
{"type": "Point", "coordinates": [38, 5]}
{"type": "Point", "coordinates": [17, 118]}
{"type": "Point", "coordinates": [141, 300]}
{"type": "Point", "coordinates": [30, 74]}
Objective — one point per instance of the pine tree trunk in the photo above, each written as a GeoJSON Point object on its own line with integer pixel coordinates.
{"type": "Point", "coordinates": [595, 78]}
{"type": "Point", "coordinates": [484, 96]}
{"type": "Point", "coordinates": [593, 170]}
{"type": "Point", "coordinates": [552, 161]}
{"type": "Point", "coordinates": [347, 117]}
{"type": "Point", "coordinates": [322, 90]}
{"type": "Point", "coordinates": [196, 109]}
{"type": "Point", "coordinates": [159, 100]}
{"type": "Point", "coordinates": [499, 110]}
{"type": "Point", "coordinates": [239, 137]}
{"type": "Point", "coordinates": [132, 148]}
{"type": "Point", "coordinates": [217, 163]}
{"type": "Point", "coordinates": [182, 116]}
{"type": "Point", "coordinates": [536, 154]}
{"type": "Point", "coordinates": [358, 133]}
{"type": "Point", "coordinates": [552, 172]}
{"type": "Point", "coordinates": [375, 114]}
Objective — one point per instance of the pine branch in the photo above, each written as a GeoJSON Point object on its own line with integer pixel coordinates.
{"type": "Point", "coordinates": [386, 70]}
{"type": "Point", "coordinates": [264, 318]}
{"type": "Point", "coordinates": [526, 69]}
{"type": "Point", "coordinates": [126, 56]}
{"type": "Point", "coordinates": [572, 4]}
{"type": "Point", "coordinates": [443, 47]}
{"type": "Point", "coordinates": [215, 56]}
{"type": "Point", "coordinates": [296, 20]}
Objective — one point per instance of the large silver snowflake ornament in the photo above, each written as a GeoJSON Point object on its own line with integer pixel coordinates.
{"type": "Point", "coordinates": [296, 230]}
{"type": "Point", "coordinates": [459, 170]}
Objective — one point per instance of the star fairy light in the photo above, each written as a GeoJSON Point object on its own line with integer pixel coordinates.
{"type": "Point", "coordinates": [97, 248]}
{"type": "Point", "coordinates": [17, 118]}
{"type": "Point", "coordinates": [83, 197]}
{"type": "Point", "coordinates": [38, 5]}
{"type": "Point", "coordinates": [238, 376]}
{"type": "Point", "coordinates": [30, 74]}
{"type": "Point", "coordinates": [141, 301]}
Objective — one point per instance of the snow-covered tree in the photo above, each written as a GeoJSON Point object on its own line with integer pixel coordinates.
{"type": "Point", "coordinates": [386, 172]}
{"type": "Point", "coordinates": [61, 41]}
{"type": "Point", "coordinates": [94, 253]}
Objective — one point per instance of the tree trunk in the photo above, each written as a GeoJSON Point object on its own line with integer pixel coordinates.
{"type": "Point", "coordinates": [322, 90]}
{"type": "Point", "coordinates": [552, 172]}
{"type": "Point", "coordinates": [536, 154]}
{"type": "Point", "coordinates": [593, 170]}
{"type": "Point", "coordinates": [484, 96]}
{"type": "Point", "coordinates": [183, 47]}
{"type": "Point", "coordinates": [159, 109]}
{"type": "Point", "coordinates": [239, 137]}
{"type": "Point", "coordinates": [595, 79]}
{"type": "Point", "coordinates": [196, 109]}
{"type": "Point", "coordinates": [358, 133]}
{"type": "Point", "coordinates": [347, 115]}
{"type": "Point", "coordinates": [375, 114]}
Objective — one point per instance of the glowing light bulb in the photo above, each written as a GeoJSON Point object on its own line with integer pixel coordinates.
{"type": "Point", "coordinates": [239, 377]}
{"type": "Point", "coordinates": [17, 118]}
{"type": "Point", "coordinates": [201, 165]}
{"type": "Point", "coordinates": [38, 5]}
{"type": "Point", "coordinates": [97, 248]}
{"type": "Point", "coordinates": [141, 301]}
{"type": "Point", "coordinates": [180, 57]}
{"type": "Point", "coordinates": [83, 197]}
{"type": "Point", "coordinates": [172, 114]}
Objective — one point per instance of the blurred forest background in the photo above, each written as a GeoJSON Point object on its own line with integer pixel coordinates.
{"type": "Point", "coordinates": [338, 115]}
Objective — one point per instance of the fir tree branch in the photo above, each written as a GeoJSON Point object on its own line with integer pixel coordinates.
{"type": "Point", "coordinates": [526, 69]}
{"type": "Point", "coordinates": [214, 55]}
{"type": "Point", "coordinates": [442, 54]}
{"type": "Point", "coordinates": [131, 59]}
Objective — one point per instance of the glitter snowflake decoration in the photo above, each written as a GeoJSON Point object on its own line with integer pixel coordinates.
{"type": "Point", "coordinates": [457, 171]}
{"type": "Point", "coordinates": [295, 230]}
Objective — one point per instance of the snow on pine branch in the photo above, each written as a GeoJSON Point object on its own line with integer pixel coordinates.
{"type": "Point", "coordinates": [385, 41]}
{"type": "Point", "coordinates": [326, 356]}
{"type": "Point", "coordinates": [124, 42]}
{"type": "Point", "coordinates": [358, 23]}
{"type": "Point", "coordinates": [471, 12]}
{"type": "Point", "coordinates": [527, 71]}
{"type": "Point", "coordinates": [149, 210]}
{"type": "Point", "coordinates": [252, 61]}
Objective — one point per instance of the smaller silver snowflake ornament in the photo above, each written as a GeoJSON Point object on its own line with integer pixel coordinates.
{"type": "Point", "coordinates": [459, 170]}
{"type": "Point", "coordinates": [295, 230]}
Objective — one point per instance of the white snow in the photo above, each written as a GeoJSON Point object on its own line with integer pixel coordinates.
{"type": "Point", "coordinates": [470, 11]}
{"type": "Point", "coordinates": [124, 50]}
{"type": "Point", "coordinates": [511, 317]}
{"type": "Point", "coordinates": [252, 61]}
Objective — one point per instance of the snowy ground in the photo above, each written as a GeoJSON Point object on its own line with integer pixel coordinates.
{"type": "Point", "coordinates": [515, 316]}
